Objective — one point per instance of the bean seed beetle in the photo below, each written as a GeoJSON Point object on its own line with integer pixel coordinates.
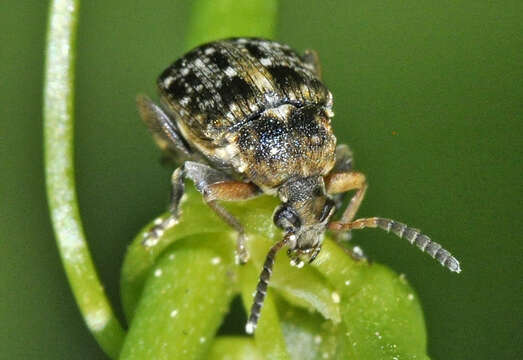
{"type": "Point", "coordinates": [249, 116]}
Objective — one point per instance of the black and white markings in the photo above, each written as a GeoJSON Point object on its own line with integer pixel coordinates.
{"type": "Point", "coordinates": [221, 83]}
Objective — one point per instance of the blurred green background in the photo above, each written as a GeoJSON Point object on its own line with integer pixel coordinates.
{"type": "Point", "coordinates": [427, 93]}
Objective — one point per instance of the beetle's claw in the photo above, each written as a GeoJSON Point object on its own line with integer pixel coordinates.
{"type": "Point", "coordinates": [241, 257]}
{"type": "Point", "coordinates": [314, 254]}
{"type": "Point", "coordinates": [358, 254]}
{"type": "Point", "coordinates": [152, 237]}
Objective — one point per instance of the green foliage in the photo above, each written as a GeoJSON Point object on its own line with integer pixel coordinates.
{"type": "Point", "coordinates": [337, 306]}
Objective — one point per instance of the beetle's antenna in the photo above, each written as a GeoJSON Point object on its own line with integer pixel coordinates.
{"type": "Point", "coordinates": [263, 282]}
{"type": "Point", "coordinates": [414, 236]}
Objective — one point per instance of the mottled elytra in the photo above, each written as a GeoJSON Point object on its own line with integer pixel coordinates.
{"type": "Point", "coordinates": [249, 116]}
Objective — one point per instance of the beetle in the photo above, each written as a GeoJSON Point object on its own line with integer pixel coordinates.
{"type": "Point", "coordinates": [249, 116]}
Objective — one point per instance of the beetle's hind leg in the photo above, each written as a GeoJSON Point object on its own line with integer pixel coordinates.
{"type": "Point", "coordinates": [311, 58]}
{"type": "Point", "coordinates": [163, 128]}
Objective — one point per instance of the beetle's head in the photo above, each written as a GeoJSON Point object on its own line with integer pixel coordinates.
{"type": "Point", "coordinates": [303, 214]}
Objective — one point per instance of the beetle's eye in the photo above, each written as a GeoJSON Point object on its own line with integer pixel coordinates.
{"type": "Point", "coordinates": [286, 218]}
{"type": "Point", "coordinates": [327, 208]}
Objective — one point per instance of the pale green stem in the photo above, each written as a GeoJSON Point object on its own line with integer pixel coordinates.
{"type": "Point", "coordinates": [59, 174]}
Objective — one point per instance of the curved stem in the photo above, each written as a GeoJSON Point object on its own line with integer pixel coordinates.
{"type": "Point", "coordinates": [59, 174]}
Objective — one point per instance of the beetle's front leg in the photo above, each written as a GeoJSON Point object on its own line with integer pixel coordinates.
{"type": "Point", "coordinates": [231, 191]}
{"type": "Point", "coordinates": [342, 179]}
{"type": "Point", "coordinates": [214, 186]}
{"type": "Point", "coordinates": [339, 183]}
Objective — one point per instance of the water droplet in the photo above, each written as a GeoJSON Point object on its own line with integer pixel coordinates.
{"type": "Point", "coordinates": [97, 319]}
{"type": "Point", "coordinates": [335, 297]}
{"type": "Point", "coordinates": [347, 282]}
{"type": "Point", "coordinates": [158, 272]}
{"type": "Point", "coordinates": [202, 339]}
{"type": "Point", "coordinates": [216, 260]}
{"type": "Point", "coordinates": [174, 313]}
{"type": "Point", "coordinates": [377, 335]}
{"type": "Point", "coordinates": [358, 253]}
{"type": "Point", "coordinates": [410, 297]}
{"type": "Point", "coordinates": [317, 339]}
{"type": "Point", "coordinates": [171, 257]}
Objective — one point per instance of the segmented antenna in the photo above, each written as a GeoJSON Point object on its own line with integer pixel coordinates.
{"type": "Point", "coordinates": [414, 236]}
{"type": "Point", "coordinates": [261, 289]}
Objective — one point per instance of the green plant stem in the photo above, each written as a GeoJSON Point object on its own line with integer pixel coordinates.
{"type": "Point", "coordinates": [59, 174]}
{"type": "Point", "coordinates": [183, 303]}
{"type": "Point", "coordinates": [244, 349]}
{"type": "Point", "coordinates": [219, 19]}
